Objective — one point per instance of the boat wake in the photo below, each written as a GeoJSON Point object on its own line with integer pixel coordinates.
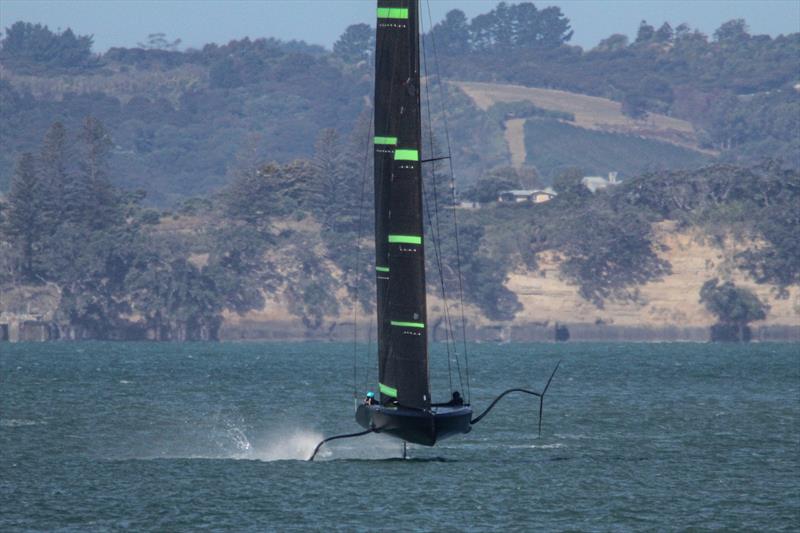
{"type": "Point", "coordinates": [298, 444]}
{"type": "Point", "coordinates": [281, 445]}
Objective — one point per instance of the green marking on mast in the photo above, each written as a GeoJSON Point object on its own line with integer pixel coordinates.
{"type": "Point", "coordinates": [392, 13]}
{"type": "Point", "coordinates": [387, 390]}
{"type": "Point", "coordinates": [382, 269]}
{"type": "Point", "coordinates": [386, 140]}
{"type": "Point", "coordinates": [419, 325]}
{"type": "Point", "coordinates": [405, 239]}
{"type": "Point", "coordinates": [406, 155]}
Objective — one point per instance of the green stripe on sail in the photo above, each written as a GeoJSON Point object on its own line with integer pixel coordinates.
{"type": "Point", "coordinates": [405, 239]}
{"type": "Point", "coordinates": [392, 13]}
{"type": "Point", "coordinates": [406, 155]}
{"type": "Point", "coordinates": [386, 140]}
{"type": "Point", "coordinates": [387, 390]}
{"type": "Point", "coordinates": [382, 269]}
{"type": "Point", "coordinates": [419, 325]}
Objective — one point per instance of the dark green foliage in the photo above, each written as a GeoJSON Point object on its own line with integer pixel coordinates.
{"type": "Point", "coordinates": [484, 276]}
{"type": "Point", "coordinates": [271, 190]}
{"type": "Point", "coordinates": [554, 146]}
{"type": "Point", "coordinates": [33, 47]}
{"type": "Point", "coordinates": [774, 209]}
{"type": "Point", "coordinates": [607, 252]}
{"type": "Point", "coordinates": [518, 26]}
{"type": "Point", "coordinates": [24, 221]}
{"type": "Point", "coordinates": [451, 36]}
{"type": "Point", "coordinates": [570, 188]}
{"type": "Point", "coordinates": [761, 201]}
{"type": "Point", "coordinates": [356, 43]}
{"type": "Point", "coordinates": [54, 164]}
{"type": "Point", "coordinates": [74, 229]}
{"type": "Point", "coordinates": [677, 72]}
{"type": "Point", "coordinates": [734, 308]}
{"type": "Point", "coordinates": [645, 33]}
{"type": "Point", "coordinates": [178, 132]}
{"type": "Point", "coordinates": [487, 188]}
{"type": "Point", "coordinates": [90, 198]}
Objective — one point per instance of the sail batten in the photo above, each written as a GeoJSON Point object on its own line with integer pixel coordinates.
{"type": "Point", "coordinates": [399, 244]}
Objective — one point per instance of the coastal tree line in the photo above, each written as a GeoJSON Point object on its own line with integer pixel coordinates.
{"type": "Point", "coordinates": [129, 271]}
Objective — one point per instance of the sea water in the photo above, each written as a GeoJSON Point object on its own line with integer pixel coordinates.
{"type": "Point", "coordinates": [171, 437]}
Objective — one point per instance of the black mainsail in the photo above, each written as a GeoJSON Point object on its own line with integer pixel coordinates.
{"type": "Point", "coordinates": [400, 256]}
{"type": "Point", "coordinates": [405, 410]}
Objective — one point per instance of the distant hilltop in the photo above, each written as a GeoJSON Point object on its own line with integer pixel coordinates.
{"type": "Point", "coordinates": [181, 121]}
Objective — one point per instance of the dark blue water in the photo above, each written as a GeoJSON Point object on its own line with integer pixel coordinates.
{"type": "Point", "coordinates": [183, 437]}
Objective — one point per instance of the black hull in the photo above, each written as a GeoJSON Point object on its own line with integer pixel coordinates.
{"type": "Point", "coordinates": [425, 427]}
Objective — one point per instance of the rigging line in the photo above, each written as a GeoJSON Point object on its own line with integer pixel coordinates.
{"type": "Point", "coordinates": [453, 192]}
{"type": "Point", "coordinates": [451, 330]}
{"type": "Point", "coordinates": [357, 270]}
{"type": "Point", "coordinates": [437, 242]}
{"type": "Point", "coordinates": [441, 278]}
{"type": "Point", "coordinates": [436, 232]}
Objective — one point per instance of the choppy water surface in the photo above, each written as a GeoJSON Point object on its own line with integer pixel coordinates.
{"type": "Point", "coordinates": [172, 437]}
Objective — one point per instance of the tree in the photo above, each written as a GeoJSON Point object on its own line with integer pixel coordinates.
{"type": "Point", "coordinates": [634, 105]}
{"type": "Point", "coordinates": [613, 43]}
{"type": "Point", "coordinates": [90, 198]}
{"type": "Point", "coordinates": [664, 34]}
{"type": "Point", "coordinates": [488, 188]}
{"type": "Point", "coordinates": [24, 220]}
{"type": "Point", "coordinates": [732, 32]}
{"type": "Point", "coordinates": [30, 44]}
{"type": "Point", "coordinates": [330, 190]}
{"type": "Point", "coordinates": [53, 161]}
{"type": "Point", "coordinates": [734, 307]}
{"type": "Point", "coordinates": [158, 41]}
{"type": "Point", "coordinates": [451, 35]}
{"type": "Point", "coordinates": [645, 33]}
{"type": "Point", "coordinates": [570, 188]}
{"type": "Point", "coordinates": [355, 44]}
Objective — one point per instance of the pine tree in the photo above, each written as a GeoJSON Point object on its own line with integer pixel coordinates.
{"type": "Point", "coordinates": [328, 179]}
{"type": "Point", "coordinates": [24, 222]}
{"type": "Point", "coordinates": [53, 163]}
{"type": "Point", "coordinates": [93, 199]}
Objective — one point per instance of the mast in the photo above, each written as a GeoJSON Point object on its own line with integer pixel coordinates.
{"type": "Point", "coordinates": [400, 258]}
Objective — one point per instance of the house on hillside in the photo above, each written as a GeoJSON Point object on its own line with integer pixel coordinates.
{"type": "Point", "coordinates": [596, 183]}
{"type": "Point", "coordinates": [533, 196]}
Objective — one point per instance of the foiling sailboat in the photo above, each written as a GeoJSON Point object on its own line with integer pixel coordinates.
{"type": "Point", "coordinates": [404, 408]}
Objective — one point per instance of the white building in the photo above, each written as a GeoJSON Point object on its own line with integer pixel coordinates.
{"type": "Point", "coordinates": [596, 183]}
{"type": "Point", "coordinates": [534, 196]}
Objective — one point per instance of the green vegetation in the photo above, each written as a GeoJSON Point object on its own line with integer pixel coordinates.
{"type": "Point", "coordinates": [726, 86]}
{"type": "Point", "coordinates": [179, 119]}
{"type": "Point", "coordinates": [734, 307]}
{"type": "Point", "coordinates": [259, 149]}
{"type": "Point", "coordinates": [553, 147]}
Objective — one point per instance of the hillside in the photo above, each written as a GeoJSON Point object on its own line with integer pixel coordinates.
{"type": "Point", "coordinates": [590, 112]}
{"type": "Point", "coordinates": [183, 122]}
{"type": "Point", "coordinates": [186, 195]}
{"type": "Point", "coordinates": [667, 309]}
{"type": "Point", "coordinates": [597, 139]}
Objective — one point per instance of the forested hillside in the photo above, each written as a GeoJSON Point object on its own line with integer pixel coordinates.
{"type": "Point", "coordinates": [179, 120]}
{"type": "Point", "coordinates": [151, 192]}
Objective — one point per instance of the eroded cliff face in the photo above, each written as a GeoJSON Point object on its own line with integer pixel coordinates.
{"type": "Point", "coordinates": [28, 312]}
{"type": "Point", "coordinates": [667, 309]}
{"type": "Point", "coordinates": [672, 301]}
